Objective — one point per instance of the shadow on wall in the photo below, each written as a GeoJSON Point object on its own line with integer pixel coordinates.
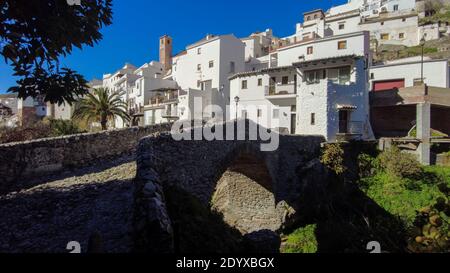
{"type": "Point", "coordinates": [346, 219]}
{"type": "Point", "coordinates": [177, 180]}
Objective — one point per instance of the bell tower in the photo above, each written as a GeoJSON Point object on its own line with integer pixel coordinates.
{"type": "Point", "coordinates": [165, 52]}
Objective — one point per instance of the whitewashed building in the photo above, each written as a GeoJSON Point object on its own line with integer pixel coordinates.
{"type": "Point", "coordinates": [202, 71]}
{"type": "Point", "coordinates": [408, 73]}
{"type": "Point", "coordinates": [315, 87]}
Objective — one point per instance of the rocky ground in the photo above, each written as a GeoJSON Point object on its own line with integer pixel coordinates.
{"type": "Point", "coordinates": [94, 202]}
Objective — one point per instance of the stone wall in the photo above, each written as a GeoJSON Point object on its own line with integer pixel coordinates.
{"type": "Point", "coordinates": [196, 168]}
{"type": "Point", "coordinates": [19, 161]}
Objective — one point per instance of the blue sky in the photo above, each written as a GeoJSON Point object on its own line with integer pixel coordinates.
{"type": "Point", "coordinates": [137, 25]}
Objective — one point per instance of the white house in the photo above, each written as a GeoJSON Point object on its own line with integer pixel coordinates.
{"type": "Point", "coordinates": [315, 87]}
{"type": "Point", "coordinates": [205, 66]}
{"type": "Point", "coordinates": [408, 73]}
{"type": "Point", "coordinates": [137, 87]}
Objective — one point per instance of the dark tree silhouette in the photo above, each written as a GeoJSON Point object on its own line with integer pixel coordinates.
{"type": "Point", "coordinates": [34, 34]}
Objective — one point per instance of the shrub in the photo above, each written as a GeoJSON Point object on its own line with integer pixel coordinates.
{"type": "Point", "coordinates": [366, 165]}
{"type": "Point", "coordinates": [333, 158]}
{"type": "Point", "coordinates": [64, 128]}
{"type": "Point", "coordinates": [431, 233]}
{"type": "Point", "coordinates": [41, 129]}
{"type": "Point", "coordinates": [402, 165]}
{"type": "Point", "coordinates": [19, 134]}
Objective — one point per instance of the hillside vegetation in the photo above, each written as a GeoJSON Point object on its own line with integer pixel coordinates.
{"type": "Point", "coordinates": [417, 196]}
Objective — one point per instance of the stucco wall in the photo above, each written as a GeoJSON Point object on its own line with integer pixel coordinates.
{"type": "Point", "coordinates": [25, 159]}
{"type": "Point", "coordinates": [435, 73]}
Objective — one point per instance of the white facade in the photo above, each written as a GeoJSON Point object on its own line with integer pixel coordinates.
{"type": "Point", "coordinates": [137, 87]}
{"type": "Point", "coordinates": [310, 88]}
{"type": "Point", "coordinates": [436, 72]}
{"type": "Point", "coordinates": [207, 64]}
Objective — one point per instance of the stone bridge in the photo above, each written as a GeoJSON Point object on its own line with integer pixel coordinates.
{"type": "Point", "coordinates": [252, 190]}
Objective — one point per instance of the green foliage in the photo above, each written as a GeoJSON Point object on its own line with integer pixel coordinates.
{"type": "Point", "coordinates": [40, 129]}
{"type": "Point", "coordinates": [366, 165]}
{"type": "Point", "coordinates": [437, 17]}
{"type": "Point", "coordinates": [431, 232]}
{"type": "Point", "coordinates": [302, 240]}
{"type": "Point", "coordinates": [101, 106]}
{"type": "Point", "coordinates": [333, 158]}
{"type": "Point", "coordinates": [61, 127]}
{"type": "Point", "coordinates": [434, 133]}
{"type": "Point", "coordinates": [18, 134]}
{"type": "Point", "coordinates": [401, 165]}
{"type": "Point", "coordinates": [35, 34]}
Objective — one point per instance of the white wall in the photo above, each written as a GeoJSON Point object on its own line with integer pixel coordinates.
{"type": "Point", "coordinates": [357, 44]}
{"type": "Point", "coordinates": [436, 73]}
{"type": "Point", "coordinates": [394, 28]}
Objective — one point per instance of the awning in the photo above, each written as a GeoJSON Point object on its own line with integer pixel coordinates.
{"type": "Point", "coordinates": [304, 64]}
{"type": "Point", "coordinates": [347, 107]}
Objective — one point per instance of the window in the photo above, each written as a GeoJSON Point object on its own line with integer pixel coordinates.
{"type": "Point", "coordinates": [232, 67]}
{"type": "Point", "coordinates": [199, 67]}
{"type": "Point", "coordinates": [199, 50]}
{"type": "Point", "coordinates": [313, 119]}
{"type": "Point", "coordinates": [401, 35]}
{"type": "Point", "coordinates": [384, 36]}
{"type": "Point", "coordinates": [382, 23]}
{"type": "Point", "coordinates": [315, 16]}
{"type": "Point", "coordinates": [244, 84]}
{"type": "Point", "coordinates": [276, 113]}
{"type": "Point", "coordinates": [342, 26]}
{"type": "Point", "coordinates": [308, 18]}
{"type": "Point", "coordinates": [211, 64]}
{"type": "Point", "coordinates": [259, 113]}
{"type": "Point", "coordinates": [340, 75]}
{"type": "Point", "coordinates": [285, 80]}
{"type": "Point", "coordinates": [372, 76]}
{"type": "Point", "coordinates": [310, 50]}
{"type": "Point", "coordinates": [315, 76]}
{"type": "Point", "coordinates": [342, 45]}
{"type": "Point", "coordinates": [395, 7]}
{"type": "Point", "coordinates": [259, 82]}
{"type": "Point", "coordinates": [404, 20]}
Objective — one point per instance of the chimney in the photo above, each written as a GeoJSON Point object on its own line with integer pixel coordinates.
{"type": "Point", "coordinates": [165, 52]}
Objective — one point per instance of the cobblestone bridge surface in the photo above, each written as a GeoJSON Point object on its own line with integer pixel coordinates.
{"type": "Point", "coordinates": [94, 203]}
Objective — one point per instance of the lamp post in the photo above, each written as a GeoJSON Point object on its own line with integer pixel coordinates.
{"type": "Point", "coordinates": [422, 44]}
{"type": "Point", "coordinates": [236, 100]}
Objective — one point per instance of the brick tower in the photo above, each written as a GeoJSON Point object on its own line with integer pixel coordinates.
{"type": "Point", "coordinates": [165, 51]}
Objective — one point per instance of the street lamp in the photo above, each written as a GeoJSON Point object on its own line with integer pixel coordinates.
{"type": "Point", "coordinates": [422, 45]}
{"type": "Point", "coordinates": [236, 100]}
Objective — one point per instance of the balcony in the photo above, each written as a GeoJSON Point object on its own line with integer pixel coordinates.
{"type": "Point", "coordinates": [170, 113]}
{"type": "Point", "coordinates": [281, 92]}
{"type": "Point", "coordinates": [350, 130]}
{"type": "Point", "coordinates": [168, 98]}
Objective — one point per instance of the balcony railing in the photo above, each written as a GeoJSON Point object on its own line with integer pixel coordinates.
{"type": "Point", "coordinates": [169, 98]}
{"type": "Point", "coordinates": [280, 90]}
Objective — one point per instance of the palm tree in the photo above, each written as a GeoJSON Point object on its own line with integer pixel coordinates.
{"type": "Point", "coordinates": [101, 106]}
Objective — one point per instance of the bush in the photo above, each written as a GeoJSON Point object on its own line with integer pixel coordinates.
{"type": "Point", "coordinates": [366, 165]}
{"type": "Point", "coordinates": [333, 158]}
{"type": "Point", "coordinates": [401, 165]}
{"type": "Point", "coordinates": [41, 129]}
{"type": "Point", "coordinates": [19, 134]}
{"type": "Point", "coordinates": [431, 233]}
{"type": "Point", "coordinates": [64, 127]}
